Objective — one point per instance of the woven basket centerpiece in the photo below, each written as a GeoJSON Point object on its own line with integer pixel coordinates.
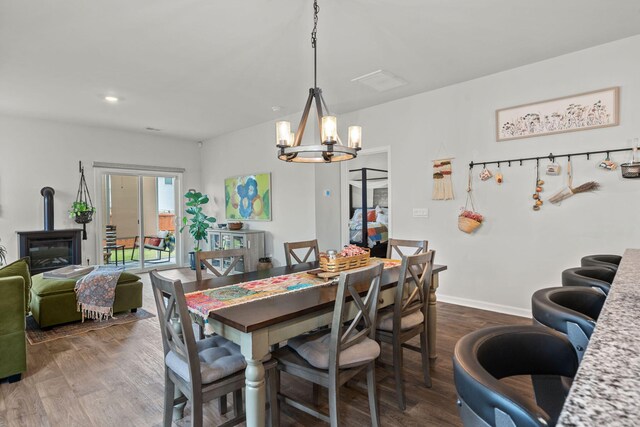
{"type": "Point", "coordinates": [342, 263]}
{"type": "Point", "coordinates": [234, 225]}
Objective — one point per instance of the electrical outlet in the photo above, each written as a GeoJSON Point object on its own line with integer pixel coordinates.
{"type": "Point", "coordinates": [420, 212]}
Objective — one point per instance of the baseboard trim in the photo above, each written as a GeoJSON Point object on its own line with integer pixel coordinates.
{"type": "Point", "coordinates": [483, 305]}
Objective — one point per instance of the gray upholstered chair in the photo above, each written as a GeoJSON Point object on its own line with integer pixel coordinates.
{"type": "Point", "coordinates": [203, 258]}
{"type": "Point", "coordinates": [395, 246]}
{"type": "Point", "coordinates": [199, 371]}
{"type": "Point", "coordinates": [330, 358]}
{"type": "Point", "coordinates": [484, 357]}
{"type": "Point", "coordinates": [571, 310]}
{"type": "Point", "coordinates": [290, 251]}
{"type": "Point", "coordinates": [609, 261]}
{"type": "Point", "coordinates": [407, 317]}
{"type": "Point", "coordinates": [599, 278]}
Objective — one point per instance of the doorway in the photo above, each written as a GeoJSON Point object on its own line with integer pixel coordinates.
{"type": "Point", "coordinates": [366, 201]}
{"type": "Point", "coordinates": [138, 216]}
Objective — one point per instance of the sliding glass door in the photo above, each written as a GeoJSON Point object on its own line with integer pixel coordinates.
{"type": "Point", "coordinates": [138, 219]}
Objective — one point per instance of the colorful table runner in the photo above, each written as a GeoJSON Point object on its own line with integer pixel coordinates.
{"type": "Point", "coordinates": [201, 303]}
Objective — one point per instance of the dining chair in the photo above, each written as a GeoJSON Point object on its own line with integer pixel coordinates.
{"type": "Point", "coordinates": [407, 317]}
{"type": "Point", "coordinates": [330, 358]}
{"type": "Point", "coordinates": [202, 370]}
{"type": "Point", "coordinates": [291, 247]}
{"type": "Point", "coordinates": [236, 255]}
{"type": "Point", "coordinates": [398, 244]}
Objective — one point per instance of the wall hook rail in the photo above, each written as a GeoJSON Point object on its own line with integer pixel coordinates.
{"type": "Point", "coordinates": [551, 157]}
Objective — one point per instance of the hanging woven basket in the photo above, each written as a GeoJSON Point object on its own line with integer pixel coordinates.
{"type": "Point", "coordinates": [82, 209]}
{"type": "Point", "coordinates": [468, 225]}
{"type": "Point", "coordinates": [469, 220]}
{"type": "Point", "coordinates": [84, 217]}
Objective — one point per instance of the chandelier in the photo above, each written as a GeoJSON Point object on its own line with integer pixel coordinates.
{"type": "Point", "coordinates": [331, 149]}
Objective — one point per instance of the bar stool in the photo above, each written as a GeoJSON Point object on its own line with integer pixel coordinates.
{"type": "Point", "coordinates": [572, 310]}
{"type": "Point", "coordinates": [599, 278]}
{"type": "Point", "coordinates": [609, 261]}
{"type": "Point", "coordinates": [485, 356]}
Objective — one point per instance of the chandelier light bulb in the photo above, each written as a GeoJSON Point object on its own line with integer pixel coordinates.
{"type": "Point", "coordinates": [355, 137]}
{"type": "Point", "coordinates": [283, 134]}
{"type": "Point", "coordinates": [329, 129]}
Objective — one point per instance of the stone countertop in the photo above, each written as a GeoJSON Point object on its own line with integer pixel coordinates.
{"type": "Point", "coordinates": [606, 389]}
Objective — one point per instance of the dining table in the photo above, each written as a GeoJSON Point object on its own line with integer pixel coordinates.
{"type": "Point", "coordinates": [257, 325]}
{"type": "Point", "coordinates": [606, 388]}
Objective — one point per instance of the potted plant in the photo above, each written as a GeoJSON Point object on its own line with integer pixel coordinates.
{"type": "Point", "coordinates": [198, 221]}
{"type": "Point", "coordinates": [81, 212]}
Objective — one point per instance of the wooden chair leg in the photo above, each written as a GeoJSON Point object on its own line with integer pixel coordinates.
{"type": "Point", "coordinates": [196, 410]}
{"type": "Point", "coordinates": [397, 369]}
{"type": "Point", "coordinates": [426, 364]}
{"type": "Point", "coordinates": [238, 408]}
{"type": "Point", "coordinates": [334, 413]}
{"type": "Point", "coordinates": [316, 394]}
{"type": "Point", "coordinates": [373, 394]}
{"type": "Point", "coordinates": [169, 395]}
{"type": "Point", "coordinates": [222, 405]}
{"type": "Point", "coordinates": [272, 398]}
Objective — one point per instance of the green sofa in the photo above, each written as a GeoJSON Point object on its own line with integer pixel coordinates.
{"type": "Point", "coordinates": [53, 301]}
{"type": "Point", "coordinates": [13, 345]}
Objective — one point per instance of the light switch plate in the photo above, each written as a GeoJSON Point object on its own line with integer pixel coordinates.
{"type": "Point", "coordinates": [421, 212]}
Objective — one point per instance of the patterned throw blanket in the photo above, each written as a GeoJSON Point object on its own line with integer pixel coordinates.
{"type": "Point", "coordinates": [202, 303]}
{"type": "Point", "coordinates": [96, 292]}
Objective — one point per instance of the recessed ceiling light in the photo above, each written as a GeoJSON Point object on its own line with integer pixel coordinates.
{"type": "Point", "coordinates": [276, 108]}
{"type": "Point", "coordinates": [380, 80]}
{"type": "Point", "coordinates": [111, 99]}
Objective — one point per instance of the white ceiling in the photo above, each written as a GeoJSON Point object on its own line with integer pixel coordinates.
{"type": "Point", "coordinates": [201, 68]}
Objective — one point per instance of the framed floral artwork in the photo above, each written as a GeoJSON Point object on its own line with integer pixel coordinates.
{"type": "Point", "coordinates": [248, 197]}
{"type": "Point", "coordinates": [590, 110]}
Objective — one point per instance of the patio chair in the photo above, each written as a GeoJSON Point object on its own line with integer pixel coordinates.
{"type": "Point", "coordinates": [157, 243]}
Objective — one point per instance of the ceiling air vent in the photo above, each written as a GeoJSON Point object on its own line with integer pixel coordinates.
{"type": "Point", "coordinates": [380, 80]}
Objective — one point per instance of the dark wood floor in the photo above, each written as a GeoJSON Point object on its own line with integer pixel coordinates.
{"type": "Point", "coordinates": [114, 377]}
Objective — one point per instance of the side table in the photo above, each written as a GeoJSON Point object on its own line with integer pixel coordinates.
{"type": "Point", "coordinates": [115, 248]}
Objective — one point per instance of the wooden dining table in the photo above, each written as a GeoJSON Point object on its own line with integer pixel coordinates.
{"type": "Point", "coordinates": [257, 325]}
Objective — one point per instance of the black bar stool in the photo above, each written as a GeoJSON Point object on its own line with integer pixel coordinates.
{"type": "Point", "coordinates": [609, 261]}
{"type": "Point", "coordinates": [483, 357]}
{"type": "Point", "coordinates": [594, 277]}
{"type": "Point", "coordinates": [572, 310]}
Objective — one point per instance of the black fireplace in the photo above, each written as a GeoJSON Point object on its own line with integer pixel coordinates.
{"type": "Point", "coordinates": [50, 249]}
{"type": "Point", "coordinates": [53, 249]}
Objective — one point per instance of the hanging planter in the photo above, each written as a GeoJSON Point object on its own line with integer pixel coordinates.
{"type": "Point", "coordinates": [82, 209]}
{"type": "Point", "coordinates": [469, 220]}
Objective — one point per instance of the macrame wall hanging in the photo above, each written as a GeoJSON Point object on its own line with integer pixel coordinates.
{"type": "Point", "coordinates": [442, 186]}
{"type": "Point", "coordinates": [82, 209]}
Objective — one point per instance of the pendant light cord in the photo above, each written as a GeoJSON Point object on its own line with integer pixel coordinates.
{"type": "Point", "coordinates": [314, 40]}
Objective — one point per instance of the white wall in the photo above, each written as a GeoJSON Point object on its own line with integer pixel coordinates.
{"type": "Point", "coordinates": [251, 151]}
{"type": "Point", "coordinates": [39, 153]}
{"type": "Point", "coordinates": [517, 250]}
